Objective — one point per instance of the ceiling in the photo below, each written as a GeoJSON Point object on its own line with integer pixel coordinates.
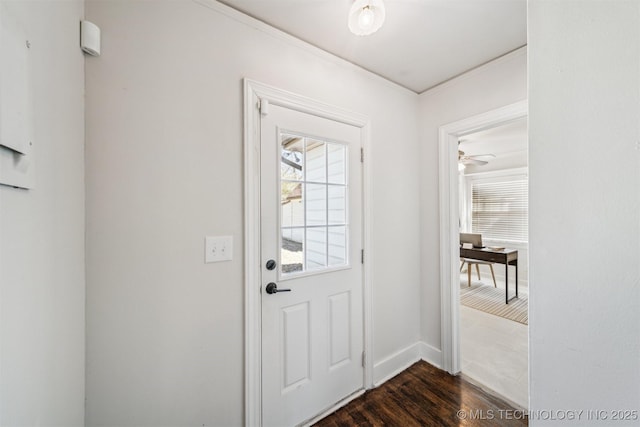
{"type": "Point", "coordinates": [508, 143]}
{"type": "Point", "coordinates": [422, 43]}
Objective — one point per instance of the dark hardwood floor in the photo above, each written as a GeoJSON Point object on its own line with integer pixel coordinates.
{"type": "Point", "coordinates": [423, 395]}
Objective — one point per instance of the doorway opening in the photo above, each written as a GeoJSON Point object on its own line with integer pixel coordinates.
{"type": "Point", "coordinates": [493, 206]}
{"type": "Point", "coordinates": [450, 222]}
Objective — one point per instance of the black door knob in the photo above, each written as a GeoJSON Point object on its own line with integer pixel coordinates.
{"type": "Point", "coordinates": [272, 288]}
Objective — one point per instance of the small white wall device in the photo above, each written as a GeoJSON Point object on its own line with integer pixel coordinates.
{"type": "Point", "coordinates": [90, 38]}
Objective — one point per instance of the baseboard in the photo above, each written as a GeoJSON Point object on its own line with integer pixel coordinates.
{"type": "Point", "coordinates": [430, 354]}
{"type": "Point", "coordinates": [401, 360]}
{"type": "Point", "coordinates": [389, 368]}
{"type": "Point", "coordinates": [396, 363]}
{"type": "Point", "coordinates": [492, 392]}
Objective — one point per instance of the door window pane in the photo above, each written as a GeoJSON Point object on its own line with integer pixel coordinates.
{"type": "Point", "coordinates": [292, 251]}
{"type": "Point", "coordinates": [292, 204]}
{"type": "Point", "coordinates": [316, 247]}
{"type": "Point", "coordinates": [316, 205]}
{"type": "Point", "coordinates": [316, 161]}
{"type": "Point", "coordinates": [292, 157]}
{"type": "Point", "coordinates": [337, 204]}
{"type": "Point", "coordinates": [337, 245]}
{"type": "Point", "coordinates": [337, 164]}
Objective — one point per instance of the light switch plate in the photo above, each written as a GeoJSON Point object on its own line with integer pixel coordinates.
{"type": "Point", "coordinates": [218, 248]}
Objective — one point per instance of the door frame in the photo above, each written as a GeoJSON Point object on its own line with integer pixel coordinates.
{"type": "Point", "coordinates": [448, 136]}
{"type": "Point", "coordinates": [257, 97]}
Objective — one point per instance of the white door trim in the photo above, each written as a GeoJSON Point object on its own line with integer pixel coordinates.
{"type": "Point", "coordinates": [449, 235]}
{"type": "Point", "coordinates": [254, 93]}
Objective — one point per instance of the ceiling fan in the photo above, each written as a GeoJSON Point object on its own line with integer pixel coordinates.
{"type": "Point", "coordinates": [472, 159]}
{"type": "Point", "coordinates": [477, 159]}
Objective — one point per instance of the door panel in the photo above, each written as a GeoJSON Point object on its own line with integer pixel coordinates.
{"type": "Point", "coordinates": [339, 331]}
{"type": "Point", "coordinates": [311, 224]}
{"type": "Point", "coordinates": [295, 345]}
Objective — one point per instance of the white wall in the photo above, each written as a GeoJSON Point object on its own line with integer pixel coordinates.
{"type": "Point", "coordinates": [42, 295]}
{"type": "Point", "coordinates": [584, 165]}
{"type": "Point", "coordinates": [164, 169]}
{"type": "Point", "coordinates": [499, 83]}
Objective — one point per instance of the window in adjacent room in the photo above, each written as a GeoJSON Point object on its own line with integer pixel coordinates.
{"type": "Point", "coordinates": [499, 208]}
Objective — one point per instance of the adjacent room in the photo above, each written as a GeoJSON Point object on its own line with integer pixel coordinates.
{"type": "Point", "coordinates": [494, 211]}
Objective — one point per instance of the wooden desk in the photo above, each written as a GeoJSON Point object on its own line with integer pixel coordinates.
{"type": "Point", "coordinates": [507, 257]}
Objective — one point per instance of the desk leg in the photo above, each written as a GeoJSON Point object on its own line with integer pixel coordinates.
{"type": "Point", "coordinates": [516, 278]}
{"type": "Point", "coordinates": [506, 283]}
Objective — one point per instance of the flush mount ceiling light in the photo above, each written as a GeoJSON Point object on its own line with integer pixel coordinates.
{"type": "Point", "coordinates": [366, 17]}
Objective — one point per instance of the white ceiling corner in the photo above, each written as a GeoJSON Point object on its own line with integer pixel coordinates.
{"type": "Point", "coordinates": [422, 43]}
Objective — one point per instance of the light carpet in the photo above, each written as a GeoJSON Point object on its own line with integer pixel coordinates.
{"type": "Point", "coordinates": [491, 300]}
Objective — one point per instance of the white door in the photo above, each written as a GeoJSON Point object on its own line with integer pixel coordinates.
{"type": "Point", "coordinates": [311, 237]}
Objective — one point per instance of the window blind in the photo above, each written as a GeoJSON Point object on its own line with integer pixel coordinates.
{"type": "Point", "coordinates": [500, 210]}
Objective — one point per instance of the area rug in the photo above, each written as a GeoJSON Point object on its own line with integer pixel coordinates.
{"type": "Point", "coordinates": [491, 300]}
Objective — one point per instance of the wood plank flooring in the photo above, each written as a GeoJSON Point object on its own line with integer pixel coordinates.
{"type": "Point", "coordinates": [425, 396]}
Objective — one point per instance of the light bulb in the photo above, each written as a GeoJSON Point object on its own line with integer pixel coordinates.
{"type": "Point", "coordinates": [366, 18]}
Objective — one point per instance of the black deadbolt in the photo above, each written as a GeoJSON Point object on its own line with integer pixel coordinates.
{"type": "Point", "coordinates": [271, 264]}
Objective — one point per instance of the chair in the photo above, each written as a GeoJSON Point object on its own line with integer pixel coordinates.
{"type": "Point", "coordinates": [470, 262]}
{"type": "Point", "coordinates": [476, 241]}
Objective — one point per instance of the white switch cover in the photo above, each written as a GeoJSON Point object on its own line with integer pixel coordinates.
{"type": "Point", "coordinates": [218, 248]}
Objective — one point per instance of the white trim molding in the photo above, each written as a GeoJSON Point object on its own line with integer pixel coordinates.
{"type": "Point", "coordinates": [449, 213]}
{"type": "Point", "coordinates": [482, 68]}
{"type": "Point", "coordinates": [392, 365]}
{"type": "Point", "coordinates": [255, 93]}
{"type": "Point", "coordinates": [430, 355]}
